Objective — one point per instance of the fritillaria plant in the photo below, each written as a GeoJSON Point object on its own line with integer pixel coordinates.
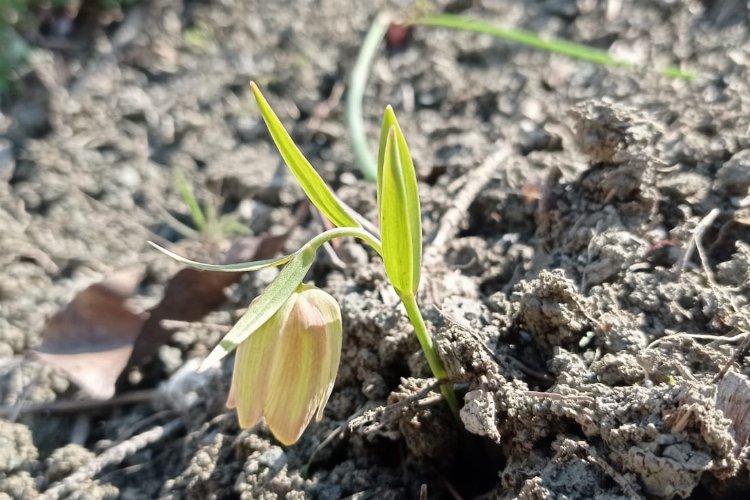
{"type": "Point", "coordinates": [289, 340]}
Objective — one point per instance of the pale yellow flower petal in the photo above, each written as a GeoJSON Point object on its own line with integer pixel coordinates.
{"type": "Point", "coordinates": [252, 370]}
{"type": "Point", "coordinates": [331, 313]}
{"type": "Point", "coordinates": [289, 404]}
{"type": "Point", "coordinates": [286, 369]}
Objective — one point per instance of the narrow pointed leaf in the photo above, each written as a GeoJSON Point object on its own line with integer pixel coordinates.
{"type": "Point", "coordinates": [239, 267]}
{"type": "Point", "coordinates": [389, 120]}
{"type": "Point", "coordinates": [531, 39]}
{"type": "Point", "coordinates": [397, 174]}
{"type": "Point", "coordinates": [189, 198]}
{"type": "Point", "coordinates": [315, 188]}
{"type": "Point", "coordinates": [265, 306]}
{"type": "Point", "coordinates": [413, 212]}
{"type": "Point", "coordinates": [398, 208]}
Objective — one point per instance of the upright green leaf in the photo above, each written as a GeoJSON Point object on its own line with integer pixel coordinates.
{"type": "Point", "coordinates": [414, 216]}
{"type": "Point", "coordinates": [315, 188]}
{"type": "Point", "coordinates": [189, 198]}
{"type": "Point", "coordinates": [265, 306]}
{"type": "Point", "coordinates": [400, 215]}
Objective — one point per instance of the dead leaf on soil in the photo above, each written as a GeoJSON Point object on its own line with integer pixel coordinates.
{"type": "Point", "coordinates": [96, 336]}
{"type": "Point", "coordinates": [92, 338]}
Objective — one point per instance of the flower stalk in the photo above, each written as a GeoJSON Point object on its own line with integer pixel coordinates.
{"type": "Point", "coordinates": [428, 347]}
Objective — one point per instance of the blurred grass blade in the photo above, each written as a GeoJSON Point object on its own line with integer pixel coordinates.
{"type": "Point", "coordinates": [356, 91]}
{"type": "Point", "coordinates": [265, 306]}
{"type": "Point", "coordinates": [576, 50]}
{"type": "Point", "coordinates": [400, 224]}
{"type": "Point", "coordinates": [186, 192]}
{"type": "Point", "coordinates": [240, 267]}
{"type": "Point", "coordinates": [319, 193]}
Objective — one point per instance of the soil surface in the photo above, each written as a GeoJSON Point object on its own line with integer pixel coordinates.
{"type": "Point", "coordinates": [587, 251]}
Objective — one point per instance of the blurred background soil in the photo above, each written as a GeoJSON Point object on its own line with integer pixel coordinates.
{"type": "Point", "coordinates": [590, 299]}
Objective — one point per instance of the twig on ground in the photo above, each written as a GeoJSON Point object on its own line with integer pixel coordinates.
{"type": "Point", "coordinates": [584, 276]}
{"type": "Point", "coordinates": [620, 479]}
{"type": "Point", "coordinates": [733, 358]}
{"type": "Point", "coordinates": [543, 377]}
{"type": "Point", "coordinates": [700, 230]}
{"type": "Point", "coordinates": [176, 323]}
{"type": "Point", "coordinates": [362, 416]}
{"type": "Point", "coordinates": [112, 456]}
{"type": "Point", "coordinates": [452, 490]}
{"type": "Point", "coordinates": [83, 405]}
{"type": "Point", "coordinates": [451, 221]}
{"type": "Point", "coordinates": [559, 397]}
{"type": "Point", "coordinates": [717, 339]}
{"type": "Point", "coordinates": [341, 430]}
{"type": "Point", "coordinates": [423, 492]}
{"type": "Point", "coordinates": [324, 108]}
{"type": "Point", "coordinates": [376, 413]}
{"type": "Point", "coordinates": [718, 291]}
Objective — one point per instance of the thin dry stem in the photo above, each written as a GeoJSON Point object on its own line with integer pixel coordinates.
{"type": "Point", "coordinates": [112, 456]}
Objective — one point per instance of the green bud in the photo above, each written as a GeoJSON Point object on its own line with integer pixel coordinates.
{"type": "Point", "coordinates": [286, 369]}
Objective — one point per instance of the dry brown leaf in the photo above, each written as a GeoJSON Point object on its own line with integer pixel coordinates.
{"type": "Point", "coordinates": [92, 338]}
{"type": "Point", "coordinates": [96, 336]}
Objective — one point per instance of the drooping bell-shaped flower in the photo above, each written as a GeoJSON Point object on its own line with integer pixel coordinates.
{"type": "Point", "coordinates": [286, 369]}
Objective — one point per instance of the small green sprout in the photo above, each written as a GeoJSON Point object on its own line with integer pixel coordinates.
{"type": "Point", "coordinates": [209, 225]}
{"type": "Point", "coordinates": [262, 383]}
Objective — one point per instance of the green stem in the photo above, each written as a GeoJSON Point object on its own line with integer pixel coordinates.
{"type": "Point", "coordinates": [340, 232]}
{"type": "Point", "coordinates": [428, 347]}
{"type": "Point", "coordinates": [356, 92]}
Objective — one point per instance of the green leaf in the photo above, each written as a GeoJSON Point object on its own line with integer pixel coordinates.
{"type": "Point", "coordinates": [189, 198]}
{"type": "Point", "coordinates": [240, 267]}
{"type": "Point", "coordinates": [400, 215]}
{"type": "Point", "coordinates": [265, 306]}
{"type": "Point", "coordinates": [315, 188]}
{"type": "Point", "coordinates": [389, 122]}
{"type": "Point", "coordinates": [356, 91]}
{"type": "Point", "coordinates": [257, 265]}
{"type": "Point", "coordinates": [571, 49]}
